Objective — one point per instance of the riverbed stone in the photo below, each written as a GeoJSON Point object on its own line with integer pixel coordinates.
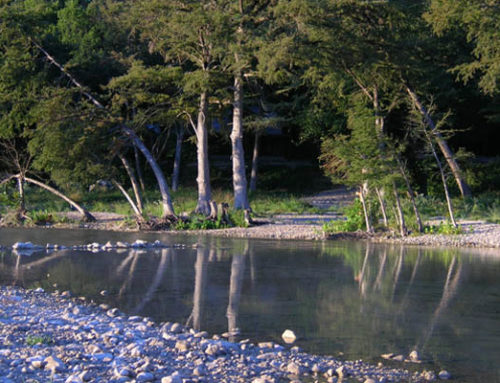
{"type": "Point", "coordinates": [288, 336]}
{"type": "Point", "coordinates": [444, 375]}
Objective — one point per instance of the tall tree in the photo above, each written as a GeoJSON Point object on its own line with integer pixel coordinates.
{"type": "Point", "coordinates": [192, 35]}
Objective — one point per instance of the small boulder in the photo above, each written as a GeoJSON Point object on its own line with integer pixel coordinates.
{"type": "Point", "coordinates": [174, 378]}
{"type": "Point", "coordinates": [54, 364]}
{"type": "Point", "coordinates": [288, 336]}
{"type": "Point", "coordinates": [444, 375]}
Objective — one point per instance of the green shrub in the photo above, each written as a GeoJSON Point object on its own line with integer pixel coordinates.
{"type": "Point", "coordinates": [493, 213]}
{"type": "Point", "coordinates": [354, 220]}
{"type": "Point", "coordinates": [41, 217]}
{"type": "Point", "coordinates": [32, 340]}
{"type": "Point", "coordinates": [443, 228]}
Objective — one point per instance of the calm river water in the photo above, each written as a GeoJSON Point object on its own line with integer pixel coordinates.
{"type": "Point", "coordinates": [355, 300]}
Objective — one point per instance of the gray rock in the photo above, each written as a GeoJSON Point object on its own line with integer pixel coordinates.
{"type": "Point", "coordinates": [112, 313]}
{"type": "Point", "coordinates": [54, 364]}
{"type": "Point", "coordinates": [294, 368]}
{"type": "Point", "coordinates": [174, 378]}
{"type": "Point", "coordinates": [145, 377]}
{"type": "Point", "coordinates": [181, 346]}
{"type": "Point", "coordinates": [414, 356]}
{"type": "Point", "coordinates": [444, 375]}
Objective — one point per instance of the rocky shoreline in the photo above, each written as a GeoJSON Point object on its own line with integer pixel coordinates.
{"type": "Point", "coordinates": [475, 234]}
{"type": "Point", "coordinates": [59, 338]}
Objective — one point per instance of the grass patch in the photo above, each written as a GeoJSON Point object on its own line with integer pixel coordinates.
{"type": "Point", "coordinates": [32, 340]}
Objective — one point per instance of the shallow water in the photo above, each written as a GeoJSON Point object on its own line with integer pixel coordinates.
{"type": "Point", "coordinates": [351, 299]}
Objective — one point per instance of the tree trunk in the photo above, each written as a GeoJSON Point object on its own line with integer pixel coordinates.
{"type": "Point", "coordinates": [369, 228]}
{"type": "Point", "coordinates": [255, 162]}
{"type": "Point", "coordinates": [168, 209]}
{"type": "Point", "coordinates": [443, 145]}
{"type": "Point", "coordinates": [239, 176]}
{"type": "Point", "coordinates": [402, 225]}
{"type": "Point", "coordinates": [138, 168]}
{"type": "Point", "coordinates": [177, 160]}
{"type": "Point", "coordinates": [86, 215]}
{"type": "Point", "coordinates": [133, 181]}
{"type": "Point", "coordinates": [380, 195]}
{"type": "Point", "coordinates": [203, 179]}
{"type": "Point", "coordinates": [22, 198]}
{"type": "Point", "coordinates": [135, 208]}
{"type": "Point", "coordinates": [412, 197]}
{"type": "Point", "coordinates": [443, 179]}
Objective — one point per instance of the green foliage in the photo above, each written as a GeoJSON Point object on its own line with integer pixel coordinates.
{"type": "Point", "coordinates": [41, 217]}
{"type": "Point", "coordinates": [481, 22]}
{"type": "Point", "coordinates": [198, 222]}
{"type": "Point", "coordinates": [493, 213]}
{"type": "Point", "coordinates": [32, 340]}
{"type": "Point", "coordinates": [443, 228]}
{"type": "Point", "coordinates": [354, 220]}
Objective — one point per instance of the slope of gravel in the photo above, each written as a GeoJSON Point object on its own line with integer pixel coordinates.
{"type": "Point", "coordinates": [55, 338]}
{"type": "Point", "coordinates": [475, 234]}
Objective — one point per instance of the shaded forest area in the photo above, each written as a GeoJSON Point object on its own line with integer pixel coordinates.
{"type": "Point", "coordinates": [397, 99]}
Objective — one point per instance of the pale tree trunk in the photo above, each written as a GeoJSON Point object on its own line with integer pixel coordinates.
{"type": "Point", "coordinates": [203, 178]}
{"type": "Point", "coordinates": [22, 198]}
{"type": "Point", "coordinates": [133, 181]}
{"type": "Point", "coordinates": [129, 199]}
{"type": "Point", "coordinates": [443, 145]}
{"type": "Point", "coordinates": [168, 209]}
{"type": "Point", "coordinates": [239, 177]}
{"type": "Point", "coordinates": [86, 215]}
{"type": "Point", "coordinates": [402, 225]}
{"type": "Point", "coordinates": [177, 159]}
{"type": "Point", "coordinates": [138, 168]}
{"type": "Point", "coordinates": [362, 195]}
{"type": "Point", "coordinates": [380, 195]}
{"type": "Point", "coordinates": [255, 162]}
{"type": "Point", "coordinates": [443, 180]}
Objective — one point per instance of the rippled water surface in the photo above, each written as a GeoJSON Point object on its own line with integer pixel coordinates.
{"type": "Point", "coordinates": [349, 299]}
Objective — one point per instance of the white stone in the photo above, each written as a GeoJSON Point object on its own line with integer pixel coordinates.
{"type": "Point", "coordinates": [289, 336]}
{"type": "Point", "coordinates": [174, 378]}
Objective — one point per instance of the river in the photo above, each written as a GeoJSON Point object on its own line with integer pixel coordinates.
{"type": "Point", "coordinates": [352, 300]}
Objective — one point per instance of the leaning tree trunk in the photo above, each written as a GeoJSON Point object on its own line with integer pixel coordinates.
{"type": "Point", "coordinates": [203, 178]}
{"type": "Point", "coordinates": [402, 225]}
{"type": "Point", "coordinates": [86, 215]}
{"type": "Point", "coordinates": [177, 160]}
{"type": "Point", "coordinates": [138, 168]}
{"type": "Point", "coordinates": [133, 181]}
{"type": "Point", "coordinates": [255, 162]}
{"type": "Point", "coordinates": [443, 179]}
{"type": "Point", "coordinates": [443, 145]}
{"type": "Point", "coordinates": [168, 209]}
{"type": "Point", "coordinates": [380, 195]}
{"type": "Point", "coordinates": [135, 208]}
{"type": "Point", "coordinates": [362, 195]}
{"type": "Point", "coordinates": [239, 177]}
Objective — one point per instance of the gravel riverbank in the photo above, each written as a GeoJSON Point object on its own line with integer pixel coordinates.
{"type": "Point", "coordinates": [54, 337]}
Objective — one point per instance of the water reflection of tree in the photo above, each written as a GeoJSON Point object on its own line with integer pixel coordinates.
{"type": "Point", "coordinates": [381, 311]}
{"type": "Point", "coordinates": [200, 282]}
{"type": "Point", "coordinates": [155, 283]}
{"type": "Point", "coordinates": [235, 285]}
